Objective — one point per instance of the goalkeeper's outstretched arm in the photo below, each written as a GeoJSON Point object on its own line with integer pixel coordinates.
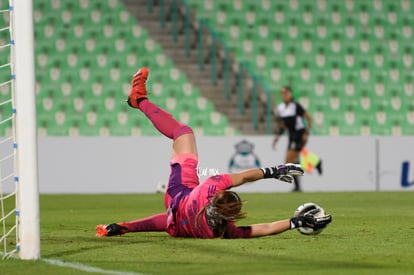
{"type": "Point", "coordinates": [283, 172]}
{"type": "Point", "coordinates": [273, 228]}
{"type": "Point", "coordinates": [308, 220]}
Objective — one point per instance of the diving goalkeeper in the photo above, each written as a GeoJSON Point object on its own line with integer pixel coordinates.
{"type": "Point", "coordinates": [207, 209]}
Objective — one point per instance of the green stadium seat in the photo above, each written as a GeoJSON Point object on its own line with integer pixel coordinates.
{"type": "Point", "coordinates": [145, 128]}
{"type": "Point", "coordinates": [285, 42]}
{"type": "Point", "coordinates": [218, 131]}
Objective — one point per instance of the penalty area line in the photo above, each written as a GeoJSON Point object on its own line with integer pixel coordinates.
{"type": "Point", "coordinates": [87, 268]}
{"type": "Point", "coordinates": [78, 266]}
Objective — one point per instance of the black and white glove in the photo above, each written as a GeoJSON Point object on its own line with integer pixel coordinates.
{"type": "Point", "coordinates": [284, 172]}
{"type": "Point", "coordinates": [309, 220]}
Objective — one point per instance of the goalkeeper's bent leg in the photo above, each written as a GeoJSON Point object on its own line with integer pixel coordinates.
{"type": "Point", "coordinates": [163, 121]}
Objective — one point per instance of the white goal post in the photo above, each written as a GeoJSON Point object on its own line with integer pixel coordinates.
{"type": "Point", "coordinates": [25, 128]}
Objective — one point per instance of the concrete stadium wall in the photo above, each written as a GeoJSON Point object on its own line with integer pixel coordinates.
{"type": "Point", "coordinates": [138, 164]}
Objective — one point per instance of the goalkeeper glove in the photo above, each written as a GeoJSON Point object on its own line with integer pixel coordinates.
{"type": "Point", "coordinates": [284, 172]}
{"type": "Point", "coordinates": [309, 220]}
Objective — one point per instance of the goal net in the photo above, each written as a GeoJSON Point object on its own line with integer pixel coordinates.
{"type": "Point", "coordinates": [19, 207]}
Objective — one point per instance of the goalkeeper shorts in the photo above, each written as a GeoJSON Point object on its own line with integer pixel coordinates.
{"type": "Point", "coordinates": [183, 178]}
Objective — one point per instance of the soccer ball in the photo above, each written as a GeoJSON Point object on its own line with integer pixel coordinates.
{"type": "Point", "coordinates": [304, 208]}
{"type": "Point", "coordinates": [160, 187]}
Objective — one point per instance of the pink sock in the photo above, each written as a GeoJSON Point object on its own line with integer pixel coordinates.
{"type": "Point", "coordinates": [163, 121]}
{"type": "Point", "coordinates": [156, 222]}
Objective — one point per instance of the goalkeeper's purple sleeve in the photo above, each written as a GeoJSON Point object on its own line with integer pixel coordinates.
{"type": "Point", "coordinates": [237, 232]}
{"type": "Point", "coordinates": [156, 222]}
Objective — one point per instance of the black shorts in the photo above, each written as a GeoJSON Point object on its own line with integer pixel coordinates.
{"type": "Point", "coordinates": [295, 140]}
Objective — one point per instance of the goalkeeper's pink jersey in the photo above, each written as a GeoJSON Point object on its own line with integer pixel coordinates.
{"type": "Point", "coordinates": [182, 222]}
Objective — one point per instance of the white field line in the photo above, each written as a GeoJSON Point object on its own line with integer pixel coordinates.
{"type": "Point", "coordinates": [82, 267]}
{"type": "Point", "coordinates": [87, 268]}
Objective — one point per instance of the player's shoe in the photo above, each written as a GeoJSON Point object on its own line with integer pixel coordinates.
{"type": "Point", "coordinates": [319, 167]}
{"type": "Point", "coordinates": [107, 230]}
{"type": "Point", "coordinates": [139, 89]}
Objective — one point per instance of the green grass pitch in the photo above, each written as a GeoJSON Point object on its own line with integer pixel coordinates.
{"type": "Point", "coordinates": [371, 233]}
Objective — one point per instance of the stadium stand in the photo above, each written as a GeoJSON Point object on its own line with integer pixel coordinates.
{"type": "Point", "coordinates": [86, 53]}
{"type": "Point", "coordinates": [349, 62]}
